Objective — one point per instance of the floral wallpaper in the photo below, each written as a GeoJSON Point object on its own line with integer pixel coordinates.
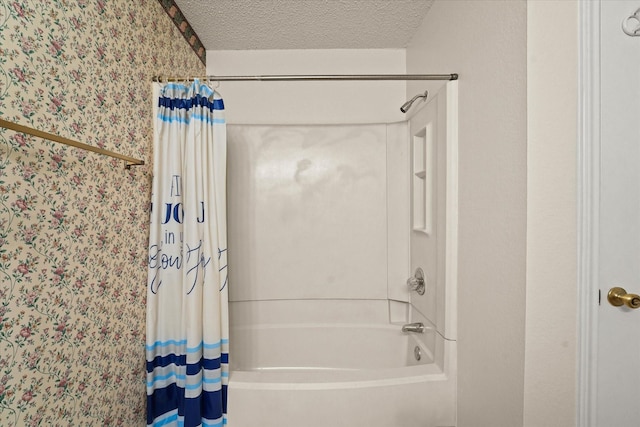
{"type": "Point", "coordinates": [73, 224]}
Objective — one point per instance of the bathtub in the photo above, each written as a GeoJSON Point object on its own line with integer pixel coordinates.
{"type": "Point", "coordinates": [365, 372]}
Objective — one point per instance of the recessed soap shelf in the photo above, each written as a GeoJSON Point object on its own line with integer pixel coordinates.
{"type": "Point", "coordinates": [422, 169]}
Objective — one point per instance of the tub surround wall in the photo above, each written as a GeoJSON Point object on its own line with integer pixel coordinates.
{"type": "Point", "coordinates": [73, 224]}
{"type": "Point", "coordinates": [318, 255]}
{"type": "Point", "coordinates": [308, 212]}
{"type": "Point", "coordinates": [433, 237]}
{"type": "Point", "coordinates": [249, 313]}
{"type": "Point", "coordinates": [398, 218]}
{"type": "Point", "coordinates": [294, 103]}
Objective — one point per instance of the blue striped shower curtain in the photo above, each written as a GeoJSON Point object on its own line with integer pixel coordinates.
{"type": "Point", "coordinates": [187, 299]}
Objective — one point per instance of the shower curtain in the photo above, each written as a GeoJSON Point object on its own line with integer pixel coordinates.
{"type": "Point", "coordinates": [187, 300]}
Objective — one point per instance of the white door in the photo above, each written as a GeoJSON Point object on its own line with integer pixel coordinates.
{"type": "Point", "coordinates": [618, 359]}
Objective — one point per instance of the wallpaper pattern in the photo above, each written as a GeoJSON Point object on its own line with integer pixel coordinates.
{"type": "Point", "coordinates": [74, 224]}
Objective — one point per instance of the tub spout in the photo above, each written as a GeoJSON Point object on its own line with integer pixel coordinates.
{"type": "Point", "coordinates": [414, 327]}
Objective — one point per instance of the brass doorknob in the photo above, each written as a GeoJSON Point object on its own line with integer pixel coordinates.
{"type": "Point", "coordinates": [618, 296]}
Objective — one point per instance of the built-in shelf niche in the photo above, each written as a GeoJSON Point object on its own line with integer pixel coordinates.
{"type": "Point", "coordinates": [422, 174]}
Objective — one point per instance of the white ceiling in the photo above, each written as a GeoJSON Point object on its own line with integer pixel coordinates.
{"type": "Point", "coordinates": [304, 24]}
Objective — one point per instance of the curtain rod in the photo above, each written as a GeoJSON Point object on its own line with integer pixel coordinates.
{"type": "Point", "coordinates": [313, 77]}
{"type": "Point", "coordinates": [66, 141]}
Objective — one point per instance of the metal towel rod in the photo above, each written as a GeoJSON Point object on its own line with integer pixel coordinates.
{"type": "Point", "coordinates": [66, 141]}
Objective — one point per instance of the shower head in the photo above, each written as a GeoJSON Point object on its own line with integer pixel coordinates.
{"type": "Point", "coordinates": [405, 107]}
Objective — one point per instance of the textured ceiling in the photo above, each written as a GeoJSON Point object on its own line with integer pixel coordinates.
{"type": "Point", "coordinates": [304, 24]}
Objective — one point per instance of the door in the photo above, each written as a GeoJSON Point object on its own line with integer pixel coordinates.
{"type": "Point", "coordinates": [618, 360]}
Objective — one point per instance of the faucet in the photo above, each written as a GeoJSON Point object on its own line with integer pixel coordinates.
{"type": "Point", "coordinates": [416, 282]}
{"type": "Point", "coordinates": [414, 327]}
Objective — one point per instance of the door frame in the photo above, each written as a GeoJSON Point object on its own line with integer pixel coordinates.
{"type": "Point", "coordinates": [588, 163]}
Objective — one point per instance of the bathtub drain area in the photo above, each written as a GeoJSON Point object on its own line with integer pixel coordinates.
{"type": "Point", "coordinates": [417, 353]}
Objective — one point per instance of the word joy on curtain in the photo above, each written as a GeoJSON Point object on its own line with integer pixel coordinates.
{"type": "Point", "coordinates": [187, 297]}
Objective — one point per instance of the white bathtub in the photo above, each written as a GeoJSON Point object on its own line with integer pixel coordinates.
{"type": "Point", "coordinates": [319, 374]}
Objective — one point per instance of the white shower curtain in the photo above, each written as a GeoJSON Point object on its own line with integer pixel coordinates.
{"type": "Point", "coordinates": [187, 298]}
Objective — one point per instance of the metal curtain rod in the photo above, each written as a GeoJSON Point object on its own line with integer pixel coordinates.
{"type": "Point", "coordinates": [66, 141]}
{"type": "Point", "coordinates": [313, 77]}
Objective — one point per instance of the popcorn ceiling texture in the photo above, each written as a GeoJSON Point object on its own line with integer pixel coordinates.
{"type": "Point", "coordinates": [304, 24]}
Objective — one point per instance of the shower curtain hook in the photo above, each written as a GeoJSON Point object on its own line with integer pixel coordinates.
{"type": "Point", "coordinates": [217, 83]}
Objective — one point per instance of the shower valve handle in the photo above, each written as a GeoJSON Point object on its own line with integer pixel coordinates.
{"type": "Point", "coordinates": [416, 282]}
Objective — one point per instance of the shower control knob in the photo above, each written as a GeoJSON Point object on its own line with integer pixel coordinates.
{"type": "Point", "coordinates": [416, 282]}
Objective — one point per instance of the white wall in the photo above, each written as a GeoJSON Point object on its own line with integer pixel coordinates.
{"type": "Point", "coordinates": [485, 42]}
{"type": "Point", "coordinates": [552, 80]}
{"type": "Point", "coordinates": [308, 211]}
{"type": "Point", "coordinates": [310, 102]}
